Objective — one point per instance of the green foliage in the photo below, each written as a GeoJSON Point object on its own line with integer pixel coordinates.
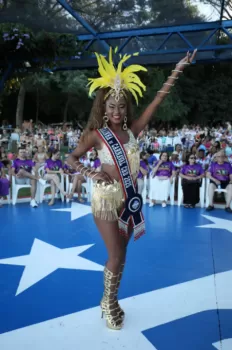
{"type": "Point", "coordinates": [172, 108]}
{"type": "Point", "coordinates": [61, 92]}
{"type": "Point", "coordinates": [215, 98]}
{"type": "Point", "coordinates": [207, 90]}
{"type": "Point", "coordinates": [19, 42]}
{"type": "Point", "coordinates": [102, 15]}
{"type": "Point", "coordinates": [202, 95]}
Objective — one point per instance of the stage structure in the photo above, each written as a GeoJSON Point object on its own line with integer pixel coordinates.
{"type": "Point", "coordinates": [160, 30]}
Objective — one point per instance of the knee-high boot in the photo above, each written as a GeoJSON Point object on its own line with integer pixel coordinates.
{"type": "Point", "coordinates": [109, 303]}
{"type": "Point", "coordinates": [121, 313]}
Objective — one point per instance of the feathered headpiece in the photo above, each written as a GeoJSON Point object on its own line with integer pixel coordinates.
{"type": "Point", "coordinates": [117, 80]}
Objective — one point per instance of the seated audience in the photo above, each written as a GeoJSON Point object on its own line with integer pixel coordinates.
{"type": "Point", "coordinates": [143, 171]}
{"type": "Point", "coordinates": [4, 184]}
{"type": "Point", "coordinates": [220, 175]}
{"type": "Point", "coordinates": [22, 169]}
{"type": "Point", "coordinates": [53, 167]}
{"type": "Point", "coordinates": [161, 179]}
{"type": "Point", "coordinates": [191, 174]}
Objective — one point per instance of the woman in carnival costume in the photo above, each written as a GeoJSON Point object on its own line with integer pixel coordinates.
{"type": "Point", "coordinates": [116, 205]}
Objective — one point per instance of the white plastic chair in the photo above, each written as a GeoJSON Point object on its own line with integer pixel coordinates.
{"type": "Point", "coordinates": [8, 196]}
{"type": "Point", "coordinates": [43, 188]}
{"type": "Point", "coordinates": [87, 186]}
{"type": "Point", "coordinates": [202, 193]}
{"type": "Point", "coordinates": [216, 190]}
{"type": "Point", "coordinates": [172, 192]}
{"type": "Point", "coordinates": [16, 188]}
{"type": "Point", "coordinates": [144, 192]}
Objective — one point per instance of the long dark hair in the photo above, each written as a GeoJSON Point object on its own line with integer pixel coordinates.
{"type": "Point", "coordinates": [142, 154]}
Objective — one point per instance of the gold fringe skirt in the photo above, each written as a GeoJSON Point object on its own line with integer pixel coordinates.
{"type": "Point", "coordinates": [107, 201]}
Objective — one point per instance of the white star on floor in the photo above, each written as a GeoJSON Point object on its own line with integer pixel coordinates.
{"type": "Point", "coordinates": [86, 330]}
{"type": "Point", "coordinates": [225, 344]}
{"type": "Point", "coordinates": [217, 223]}
{"type": "Point", "coordinates": [77, 210]}
{"type": "Point", "coordinates": [45, 258]}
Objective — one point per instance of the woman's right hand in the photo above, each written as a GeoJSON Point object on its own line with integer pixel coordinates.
{"type": "Point", "coordinates": [103, 177]}
{"type": "Point", "coordinates": [190, 178]}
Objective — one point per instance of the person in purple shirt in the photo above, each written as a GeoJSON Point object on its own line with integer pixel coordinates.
{"type": "Point", "coordinates": [4, 184]}
{"type": "Point", "coordinates": [54, 167]}
{"type": "Point", "coordinates": [76, 179]}
{"type": "Point", "coordinates": [161, 179]}
{"type": "Point", "coordinates": [22, 170]}
{"type": "Point", "coordinates": [191, 174]}
{"type": "Point", "coordinates": [143, 171]}
{"type": "Point", "coordinates": [220, 175]}
{"type": "Point", "coordinates": [94, 160]}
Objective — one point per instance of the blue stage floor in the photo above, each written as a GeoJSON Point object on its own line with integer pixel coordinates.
{"type": "Point", "coordinates": [176, 289]}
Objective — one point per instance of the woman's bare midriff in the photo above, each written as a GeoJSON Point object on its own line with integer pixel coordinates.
{"type": "Point", "coordinates": [112, 171]}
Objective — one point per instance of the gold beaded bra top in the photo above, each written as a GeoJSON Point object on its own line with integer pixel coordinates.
{"type": "Point", "coordinates": [132, 152]}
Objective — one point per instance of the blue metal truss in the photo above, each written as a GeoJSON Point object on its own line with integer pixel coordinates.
{"type": "Point", "coordinates": [140, 33]}
{"type": "Point", "coordinates": [188, 28]}
{"type": "Point", "coordinates": [154, 55]}
{"type": "Point", "coordinates": [210, 50]}
{"type": "Point", "coordinates": [83, 22]}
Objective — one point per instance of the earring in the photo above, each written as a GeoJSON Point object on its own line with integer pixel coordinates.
{"type": "Point", "coordinates": [105, 119]}
{"type": "Point", "coordinates": [125, 123]}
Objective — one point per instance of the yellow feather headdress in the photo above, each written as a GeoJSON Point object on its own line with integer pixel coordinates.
{"type": "Point", "coordinates": [116, 79]}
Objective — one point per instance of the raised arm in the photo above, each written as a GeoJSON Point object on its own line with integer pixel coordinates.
{"type": "Point", "coordinates": [139, 124]}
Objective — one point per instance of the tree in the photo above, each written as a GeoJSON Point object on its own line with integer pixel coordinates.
{"type": "Point", "coordinates": [172, 108]}
{"type": "Point", "coordinates": [73, 85]}
{"type": "Point", "coordinates": [20, 43]}
{"type": "Point", "coordinates": [38, 15]}
{"type": "Point", "coordinates": [38, 84]}
{"type": "Point", "coordinates": [49, 15]}
{"type": "Point", "coordinates": [217, 5]}
{"type": "Point", "coordinates": [206, 90]}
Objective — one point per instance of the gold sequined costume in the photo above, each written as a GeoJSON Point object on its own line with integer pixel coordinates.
{"type": "Point", "coordinates": [108, 200]}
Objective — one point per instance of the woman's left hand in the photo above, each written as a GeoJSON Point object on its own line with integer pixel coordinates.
{"type": "Point", "coordinates": [188, 59]}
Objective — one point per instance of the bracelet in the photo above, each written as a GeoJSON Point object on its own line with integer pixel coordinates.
{"type": "Point", "coordinates": [166, 92]}
{"type": "Point", "coordinates": [92, 171]}
{"type": "Point", "coordinates": [169, 84]}
{"type": "Point", "coordinates": [79, 166]}
{"type": "Point", "coordinates": [83, 169]}
{"type": "Point", "coordinates": [176, 70]}
{"type": "Point", "coordinates": [170, 76]}
{"type": "Point", "coordinates": [183, 64]}
{"type": "Point", "coordinates": [94, 176]}
{"type": "Point", "coordinates": [85, 172]}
